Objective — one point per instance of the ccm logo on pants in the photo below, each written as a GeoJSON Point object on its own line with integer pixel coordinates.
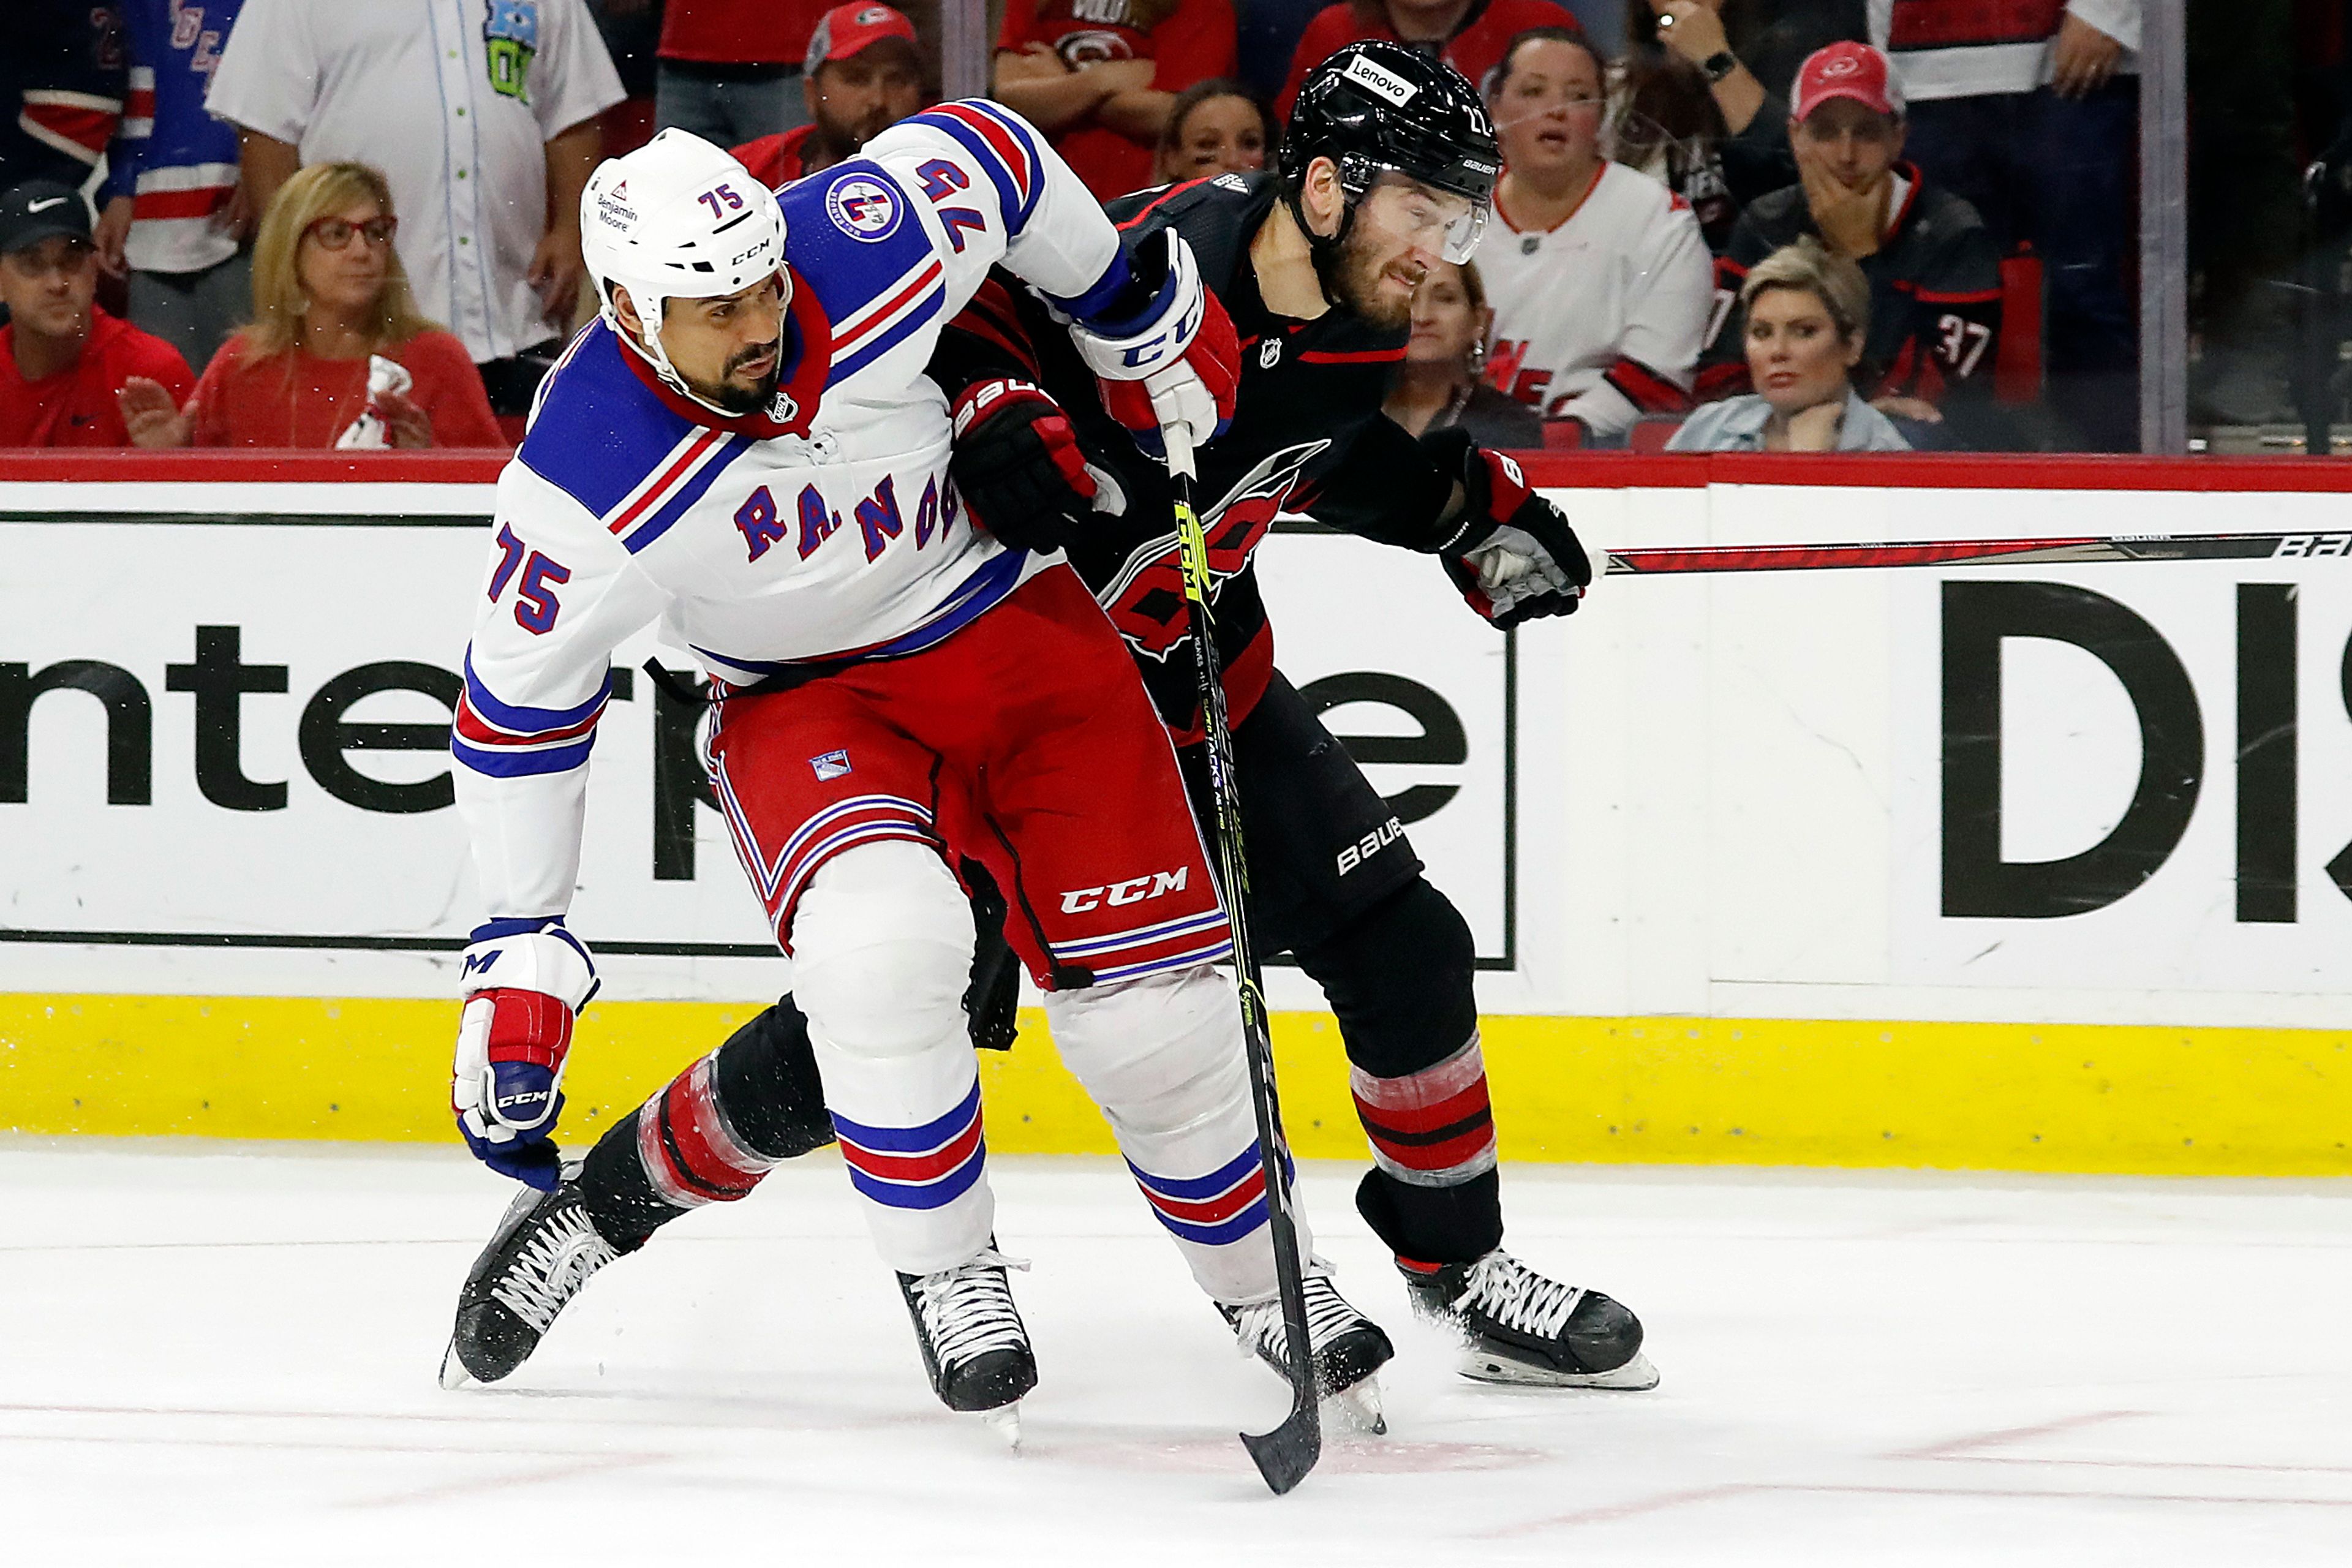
{"type": "Point", "coordinates": [1371, 844]}
{"type": "Point", "coordinates": [1134, 890]}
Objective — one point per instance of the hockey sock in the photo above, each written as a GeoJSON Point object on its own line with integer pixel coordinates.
{"type": "Point", "coordinates": [1433, 1225]}
{"type": "Point", "coordinates": [1161, 1055]}
{"type": "Point", "coordinates": [712, 1131]}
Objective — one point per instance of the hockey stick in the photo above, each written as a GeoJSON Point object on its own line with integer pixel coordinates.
{"type": "Point", "coordinates": [1285, 1455]}
{"type": "Point", "coordinates": [1979, 553]}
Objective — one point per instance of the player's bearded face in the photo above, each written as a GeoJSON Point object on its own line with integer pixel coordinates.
{"type": "Point", "coordinates": [728, 350]}
{"type": "Point", "coordinates": [1398, 235]}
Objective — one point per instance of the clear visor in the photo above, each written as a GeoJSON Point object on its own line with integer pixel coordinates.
{"type": "Point", "coordinates": [1440, 222]}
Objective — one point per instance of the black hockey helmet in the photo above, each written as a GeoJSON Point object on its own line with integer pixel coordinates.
{"type": "Point", "coordinates": [1375, 107]}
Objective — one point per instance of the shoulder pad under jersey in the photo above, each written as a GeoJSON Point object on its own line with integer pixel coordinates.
{"type": "Point", "coordinates": [854, 238]}
{"type": "Point", "coordinates": [598, 431]}
{"type": "Point", "coordinates": [1216, 217]}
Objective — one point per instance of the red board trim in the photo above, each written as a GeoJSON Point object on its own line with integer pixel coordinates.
{"type": "Point", "coordinates": [1562, 471]}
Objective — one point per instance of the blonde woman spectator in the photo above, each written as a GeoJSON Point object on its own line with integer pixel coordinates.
{"type": "Point", "coordinates": [1438, 384]}
{"type": "Point", "coordinates": [1807, 314]}
{"type": "Point", "coordinates": [1217, 127]}
{"type": "Point", "coordinates": [336, 355]}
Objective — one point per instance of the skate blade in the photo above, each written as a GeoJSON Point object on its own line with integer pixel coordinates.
{"type": "Point", "coordinates": [454, 1375]}
{"type": "Point", "coordinates": [1005, 1422]}
{"type": "Point", "coordinates": [1481, 1366]}
{"type": "Point", "coordinates": [1359, 1407]}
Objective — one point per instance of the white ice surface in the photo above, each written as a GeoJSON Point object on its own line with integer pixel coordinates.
{"type": "Point", "coordinates": [217, 1353]}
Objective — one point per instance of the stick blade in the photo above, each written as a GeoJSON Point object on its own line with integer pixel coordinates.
{"type": "Point", "coordinates": [1285, 1455]}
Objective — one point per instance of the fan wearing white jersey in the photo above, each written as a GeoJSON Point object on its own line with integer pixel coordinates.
{"type": "Point", "coordinates": [744, 448]}
{"type": "Point", "coordinates": [1600, 276]}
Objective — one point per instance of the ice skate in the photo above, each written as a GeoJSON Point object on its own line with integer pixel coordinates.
{"type": "Point", "coordinates": [974, 1344]}
{"type": "Point", "coordinates": [1348, 1347]}
{"type": "Point", "coordinates": [544, 1251]}
{"type": "Point", "coordinates": [1523, 1327]}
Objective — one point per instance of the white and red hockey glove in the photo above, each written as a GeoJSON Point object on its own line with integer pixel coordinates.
{"type": "Point", "coordinates": [1018, 466]}
{"type": "Point", "coordinates": [1174, 362]}
{"type": "Point", "coordinates": [524, 981]}
{"type": "Point", "coordinates": [1514, 556]}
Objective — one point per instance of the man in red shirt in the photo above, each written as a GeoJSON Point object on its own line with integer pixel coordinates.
{"type": "Point", "coordinates": [1100, 76]}
{"type": "Point", "coordinates": [730, 70]}
{"type": "Point", "coordinates": [1468, 34]}
{"type": "Point", "coordinates": [862, 75]}
{"type": "Point", "coordinates": [63, 361]}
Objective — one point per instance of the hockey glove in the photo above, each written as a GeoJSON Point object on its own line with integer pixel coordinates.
{"type": "Point", "coordinates": [1514, 556]}
{"type": "Point", "coordinates": [1175, 360]}
{"type": "Point", "coordinates": [524, 981]}
{"type": "Point", "coordinates": [1018, 466]}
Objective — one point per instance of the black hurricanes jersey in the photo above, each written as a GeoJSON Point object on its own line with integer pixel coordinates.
{"type": "Point", "coordinates": [1307, 436]}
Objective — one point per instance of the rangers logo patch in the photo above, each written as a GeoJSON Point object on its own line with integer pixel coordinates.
{"type": "Point", "coordinates": [863, 207]}
{"type": "Point", "coordinates": [830, 766]}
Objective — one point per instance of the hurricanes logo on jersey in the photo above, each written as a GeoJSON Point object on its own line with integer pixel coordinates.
{"type": "Point", "coordinates": [1146, 600]}
{"type": "Point", "coordinates": [862, 207]}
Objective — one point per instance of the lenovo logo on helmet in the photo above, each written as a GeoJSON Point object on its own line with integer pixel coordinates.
{"type": "Point", "coordinates": [1366, 72]}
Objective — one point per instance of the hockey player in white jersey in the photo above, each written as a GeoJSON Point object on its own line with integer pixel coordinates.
{"type": "Point", "coordinates": [744, 448]}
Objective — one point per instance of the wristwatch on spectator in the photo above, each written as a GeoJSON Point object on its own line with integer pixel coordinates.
{"type": "Point", "coordinates": [1718, 66]}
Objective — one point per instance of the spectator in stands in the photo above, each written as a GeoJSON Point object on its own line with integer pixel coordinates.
{"type": "Point", "coordinates": [1100, 76]}
{"type": "Point", "coordinates": [1807, 314]}
{"type": "Point", "coordinates": [1767, 41]}
{"type": "Point", "coordinates": [1217, 127]}
{"type": "Point", "coordinates": [336, 355]}
{"type": "Point", "coordinates": [861, 76]}
{"type": "Point", "coordinates": [1471, 35]}
{"type": "Point", "coordinates": [731, 70]}
{"type": "Point", "coordinates": [61, 87]}
{"type": "Point", "coordinates": [1439, 385]}
{"type": "Point", "coordinates": [1690, 108]}
{"type": "Point", "coordinates": [1600, 277]}
{"type": "Point", "coordinates": [1935, 277]}
{"type": "Point", "coordinates": [175, 218]}
{"type": "Point", "coordinates": [62, 359]}
{"type": "Point", "coordinates": [2032, 115]}
{"type": "Point", "coordinates": [482, 114]}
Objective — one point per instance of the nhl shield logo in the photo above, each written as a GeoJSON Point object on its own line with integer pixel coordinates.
{"type": "Point", "coordinates": [863, 207]}
{"type": "Point", "coordinates": [830, 766]}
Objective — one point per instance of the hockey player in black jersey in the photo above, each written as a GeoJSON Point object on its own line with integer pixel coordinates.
{"type": "Point", "coordinates": [1390, 163]}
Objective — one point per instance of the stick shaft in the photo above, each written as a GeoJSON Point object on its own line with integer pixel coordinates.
{"type": "Point", "coordinates": [1284, 1455]}
{"type": "Point", "coordinates": [1978, 553]}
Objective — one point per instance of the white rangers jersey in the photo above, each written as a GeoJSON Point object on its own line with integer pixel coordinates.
{"type": "Point", "coordinates": [756, 544]}
{"type": "Point", "coordinates": [1600, 319]}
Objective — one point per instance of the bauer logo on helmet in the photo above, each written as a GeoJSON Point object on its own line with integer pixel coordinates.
{"type": "Point", "coordinates": [863, 207]}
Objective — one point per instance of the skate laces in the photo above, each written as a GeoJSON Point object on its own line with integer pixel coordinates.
{"type": "Point", "coordinates": [1516, 1296]}
{"type": "Point", "coordinates": [552, 1267]}
{"type": "Point", "coordinates": [968, 1310]}
{"type": "Point", "coordinates": [1258, 1329]}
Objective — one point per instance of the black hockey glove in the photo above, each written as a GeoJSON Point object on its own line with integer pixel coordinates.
{"type": "Point", "coordinates": [992, 1002]}
{"type": "Point", "coordinates": [1514, 557]}
{"type": "Point", "coordinates": [1018, 466]}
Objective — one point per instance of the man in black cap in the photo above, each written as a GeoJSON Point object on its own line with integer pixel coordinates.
{"type": "Point", "coordinates": [63, 361]}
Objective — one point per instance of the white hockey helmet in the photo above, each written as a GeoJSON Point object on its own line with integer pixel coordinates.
{"type": "Point", "coordinates": [676, 219]}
